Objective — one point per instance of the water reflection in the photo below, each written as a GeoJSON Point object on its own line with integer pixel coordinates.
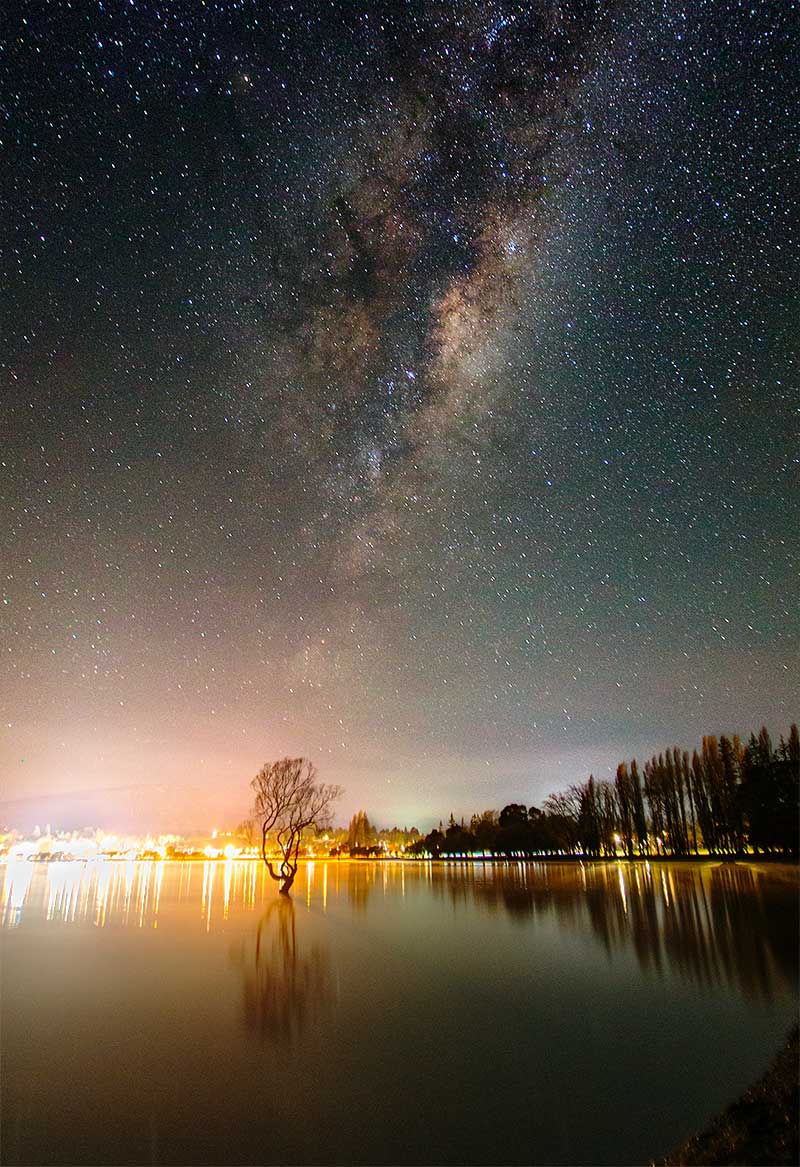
{"type": "Point", "coordinates": [284, 988]}
{"type": "Point", "coordinates": [712, 924]}
{"type": "Point", "coordinates": [438, 1012]}
{"type": "Point", "coordinates": [17, 882]}
{"type": "Point", "coordinates": [128, 893]}
{"type": "Point", "coordinates": [360, 881]}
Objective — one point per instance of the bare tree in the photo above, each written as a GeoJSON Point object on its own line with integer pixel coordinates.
{"type": "Point", "coordinates": [246, 830]}
{"type": "Point", "coordinates": [564, 809]}
{"type": "Point", "coordinates": [288, 801]}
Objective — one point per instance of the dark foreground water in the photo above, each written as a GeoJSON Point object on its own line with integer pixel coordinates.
{"type": "Point", "coordinates": [181, 1013]}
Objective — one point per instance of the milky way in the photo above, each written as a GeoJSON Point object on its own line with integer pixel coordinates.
{"type": "Point", "coordinates": [408, 386]}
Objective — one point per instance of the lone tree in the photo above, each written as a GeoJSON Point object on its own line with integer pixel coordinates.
{"type": "Point", "coordinates": [288, 801]}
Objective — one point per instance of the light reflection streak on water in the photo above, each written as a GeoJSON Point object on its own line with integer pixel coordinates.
{"type": "Point", "coordinates": [693, 918]}
{"type": "Point", "coordinates": [226, 888]}
{"type": "Point", "coordinates": [129, 892]}
{"type": "Point", "coordinates": [63, 889]}
{"type": "Point", "coordinates": [309, 883]}
{"type": "Point", "coordinates": [84, 890]}
{"type": "Point", "coordinates": [157, 897]}
{"type": "Point", "coordinates": [622, 890]}
{"type": "Point", "coordinates": [18, 881]}
{"type": "Point", "coordinates": [143, 891]}
{"type": "Point", "coordinates": [102, 890]}
{"type": "Point", "coordinates": [209, 873]}
{"type": "Point", "coordinates": [130, 876]}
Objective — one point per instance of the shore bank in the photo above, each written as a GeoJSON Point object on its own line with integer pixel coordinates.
{"type": "Point", "coordinates": [760, 1129]}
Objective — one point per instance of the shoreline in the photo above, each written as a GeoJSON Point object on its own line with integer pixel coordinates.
{"type": "Point", "coordinates": [789, 867]}
{"type": "Point", "coordinates": [760, 1128]}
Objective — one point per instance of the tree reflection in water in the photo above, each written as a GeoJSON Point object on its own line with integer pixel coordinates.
{"type": "Point", "coordinates": [711, 924]}
{"type": "Point", "coordinates": [360, 881]}
{"type": "Point", "coordinates": [283, 989]}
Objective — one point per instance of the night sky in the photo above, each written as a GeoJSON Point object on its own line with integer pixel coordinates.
{"type": "Point", "coordinates": [409, 386]}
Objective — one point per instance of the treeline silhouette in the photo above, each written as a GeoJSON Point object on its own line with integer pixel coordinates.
{"type": "Point", "coordinates": [726, 799]}
{"type": "Point", "coordinates": [364, 841]}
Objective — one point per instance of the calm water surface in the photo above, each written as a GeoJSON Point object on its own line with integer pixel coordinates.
{"type": "Point", "coordinates": [181, 1013]}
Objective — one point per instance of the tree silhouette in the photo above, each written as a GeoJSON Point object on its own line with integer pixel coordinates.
{"type": "Point", "coordinates": [769, 793]}
{"type": "Point", "coordinates": [721, 800]}
{"type": "Point", "coordinates": [361, 833]}
{"type": "Point", "coordinates": [288, 801]}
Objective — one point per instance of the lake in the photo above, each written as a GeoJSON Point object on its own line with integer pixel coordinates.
{"type": "Point", "coordinates": [390, 1013]}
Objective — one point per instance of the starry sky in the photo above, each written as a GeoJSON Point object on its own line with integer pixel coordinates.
{"type": "Point", "coordinates": [410, 386]}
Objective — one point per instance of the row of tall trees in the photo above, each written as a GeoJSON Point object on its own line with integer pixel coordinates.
{"type": "Point", "coordinates": [361, 834]}
{"type": "Point", "coordinates": [726, 799]}
{"type": "Point", "coordinates": [362, 838]}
